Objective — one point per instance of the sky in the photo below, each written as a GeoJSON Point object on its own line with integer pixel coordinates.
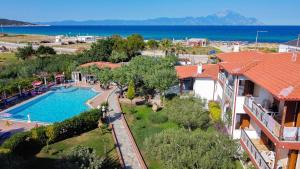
{"type": "Point", "coordinates": [271, 12]}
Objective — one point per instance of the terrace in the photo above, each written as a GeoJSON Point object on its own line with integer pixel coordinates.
{"type": "Point", "coordinates": [260, 153]}
{"type": "Point", "coordinates": [269, 121]}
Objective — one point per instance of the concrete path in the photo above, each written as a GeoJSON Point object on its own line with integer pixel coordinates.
{"type": "Point", "coordinates": [127, 147]}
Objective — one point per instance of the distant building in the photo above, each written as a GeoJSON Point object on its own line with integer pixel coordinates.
{"type": "Point", "coordinates": [197, 42]}
{"type": "Point", "coordinates": [289, 46]}
{"type": "Point", "coordinates": [59, 38]}
{"type": "Point", "coordinates": [86, 38]}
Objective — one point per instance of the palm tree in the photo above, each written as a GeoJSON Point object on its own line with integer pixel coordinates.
{"type": "Point", "coordinates": [166, 44]}
{"type": "Point", "coordinates": [153, 45]}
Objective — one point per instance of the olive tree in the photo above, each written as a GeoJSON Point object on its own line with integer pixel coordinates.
{"type": "Point", "coordinates": [188, 112]}
{"type": "Point", "coordinates": [179, 149]}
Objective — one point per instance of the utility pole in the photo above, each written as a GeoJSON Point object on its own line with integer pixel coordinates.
{"type": "Point", "coordinates": [257, 33]}
{"type": "Point", "coordinates": [298, 40]}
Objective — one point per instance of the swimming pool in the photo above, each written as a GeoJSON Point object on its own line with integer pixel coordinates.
{"type": "Point", "coordinates": [54, 106]}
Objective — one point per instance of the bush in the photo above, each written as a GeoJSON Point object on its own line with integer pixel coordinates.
{"type": "Point", "coordinates": [81, 157]}
{"type": "Point", "coordinates": [158, 118]}
{"type": "Point", "coordinates": [215, 111]}
{"type": "Point", "coordinates": [9, 160]}
{"type": "Point", "coordinates": [39, 135]}
{"type": "Point", "coordinates": [71, 127]}
{"type": "Point", "coordinates": [29, 143]}
{"type": "Point", "coordinates": [21, 144]}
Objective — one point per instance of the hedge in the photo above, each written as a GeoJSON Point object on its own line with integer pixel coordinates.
{"type": "Point", "coordinates": [29, 143]}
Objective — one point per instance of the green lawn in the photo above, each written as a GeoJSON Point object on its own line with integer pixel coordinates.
{"type": "Point", "coordinates": [142, 127]}
{"type": "Point", "coordinates": [7, 57]}
{"type": "Point", "coordinates": [102, 142]}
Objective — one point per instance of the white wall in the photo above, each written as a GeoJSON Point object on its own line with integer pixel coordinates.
{"type": "Point", "coordinates": [219, 91]}
{"type": "Point", "coordinates": [239, 106]}
{"type": "Point", "coordinates": [204, 88]}
{"type": "Point", "coordinates": [286, 48]}
{"type": "Point", "coordinates": [261, 94]}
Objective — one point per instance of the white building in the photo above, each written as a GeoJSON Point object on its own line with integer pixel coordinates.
{"type": "Point", "coordinates": [195, 78]}
{"type": "Point", "coordinates": [197, 42]}
{"type": "Point", "coordinates": [259, 94]}
{"type": "Point", "coordinates": [290, 46]}
{"type": "Point", "coordinates": [86, 38]}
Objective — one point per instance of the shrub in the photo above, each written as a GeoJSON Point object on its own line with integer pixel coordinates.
{"type": "Point", "coordinates": [215, 111]}
{"type": "Point", "coordinates": [158, 118]}
{"type": "Point", "coordinates": [21, 144]}
{"type": "Point", "coordinates": [39, 135]}
{"type": "Point", "coordinates": [82, 157]}
{"type": "Point", "coordinates": [84, 122]}
{"type": "Point", "coordinates": [28, 143]}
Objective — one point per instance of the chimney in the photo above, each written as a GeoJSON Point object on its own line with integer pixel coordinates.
{"type": "Point", "coordinates": [294, 57]}
{"type": "Point", "coordinates": [236, 47]}
{"type": "Point", "coordinates": [199, 68]}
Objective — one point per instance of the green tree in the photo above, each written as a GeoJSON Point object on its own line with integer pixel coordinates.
{"type": "Point", "coordinates": [105, 77]}
{"type": "Point", "coordinates": [101, 50]}
{"type": "Point", "coordinates": [120, 77]}
{"type": "Point", "coordinates": [25, 52]}
{"type": "Point", "coordinates": [178, 149]}
{"type": "Point", "coordinates": [131, 91]}
{"type": "Point", "coordinates": [188, 112]}
{"type": "Point", "coordinates": [45, 50]}
{"type": "Point", "coordinates": [117, 57]}
{"type": "Point", "coordinates": [161, 79]}
{"type": "Point", "coordinates": [135, 44]}
{"type": "Point", "coordinates": [166, 45]}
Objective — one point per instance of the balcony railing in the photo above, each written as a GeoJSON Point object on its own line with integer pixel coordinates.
{"type": "Point", "coordinates": [254, 153]}
{"type": "Point", "coordinates": [265, 117]}
{"type": "Point", "coordinates": [222, 77]}
{"type": "Point", "coordinates": [229, 91]}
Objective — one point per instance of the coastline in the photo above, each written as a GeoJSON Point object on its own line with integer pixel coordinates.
{"type": "Point", "coordinates": [275, 34]}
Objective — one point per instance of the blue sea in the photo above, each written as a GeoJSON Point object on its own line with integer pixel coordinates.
{"type": "Point", "coordinates": [220, 33]}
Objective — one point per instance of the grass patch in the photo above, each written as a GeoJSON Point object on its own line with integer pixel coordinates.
{"type": "Point", "coordinates": [101, 140]}
{"type": "Point", "coordinates": [142, 127]}
{"type": "Point", "coordinates": [7, 58]}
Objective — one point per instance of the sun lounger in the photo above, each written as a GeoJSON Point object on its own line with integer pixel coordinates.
{"type": "Point", "coordinates": [5, 135]}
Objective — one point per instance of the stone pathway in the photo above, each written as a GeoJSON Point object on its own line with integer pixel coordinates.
{"type": "Point", "coordinates": [127, 147]}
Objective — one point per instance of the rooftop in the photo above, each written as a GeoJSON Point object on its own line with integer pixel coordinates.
{"type": "Point", "coordinates": [102, 65]}
{"type": "Point", "coordinates": [190, 71]}
{"type": "Point", "coordinates": [276, 72]}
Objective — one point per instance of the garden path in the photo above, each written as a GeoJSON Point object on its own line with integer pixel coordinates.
{"type": "Point", "coordinates": [131, 155]}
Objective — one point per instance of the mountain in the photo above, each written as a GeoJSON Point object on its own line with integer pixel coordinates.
{"type": "Point", "coordinates": [221, 18]}
{"type": "Point", "coordinates": [6, 22]}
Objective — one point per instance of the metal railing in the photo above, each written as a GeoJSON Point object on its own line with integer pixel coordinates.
{"type": "Point", "coordinates": [229, 91]}
{"type": "Point", "coordinates": [222, 77]}
{"type": "Point", "coordinates": [254, 153]}
{"type": "Point", "coordinates": [264, 116]}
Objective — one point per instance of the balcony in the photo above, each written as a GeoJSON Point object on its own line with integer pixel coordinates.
{"type": "Point", "coordinates": [268, 121]}
{"type": "Point", "coordinates": [229, 92]}
{"type": "Point", "coordinates": [222, 77]}
{"type": "Point", "coordinates": [254, 153]}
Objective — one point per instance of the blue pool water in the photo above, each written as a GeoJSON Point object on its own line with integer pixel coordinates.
{"type": "Point", "coordinates": [54, 106]}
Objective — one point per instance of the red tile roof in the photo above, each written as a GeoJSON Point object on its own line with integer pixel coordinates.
{"type": "Point", "coordinates": [190, 71]}
{"type": "Point", "coordinates": [279, 73]}
{"type": "Point", "coordinates": [102, 65]}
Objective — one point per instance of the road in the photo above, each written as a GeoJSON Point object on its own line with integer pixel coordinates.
{"type": "Point", "coordinates": [17, 45]}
